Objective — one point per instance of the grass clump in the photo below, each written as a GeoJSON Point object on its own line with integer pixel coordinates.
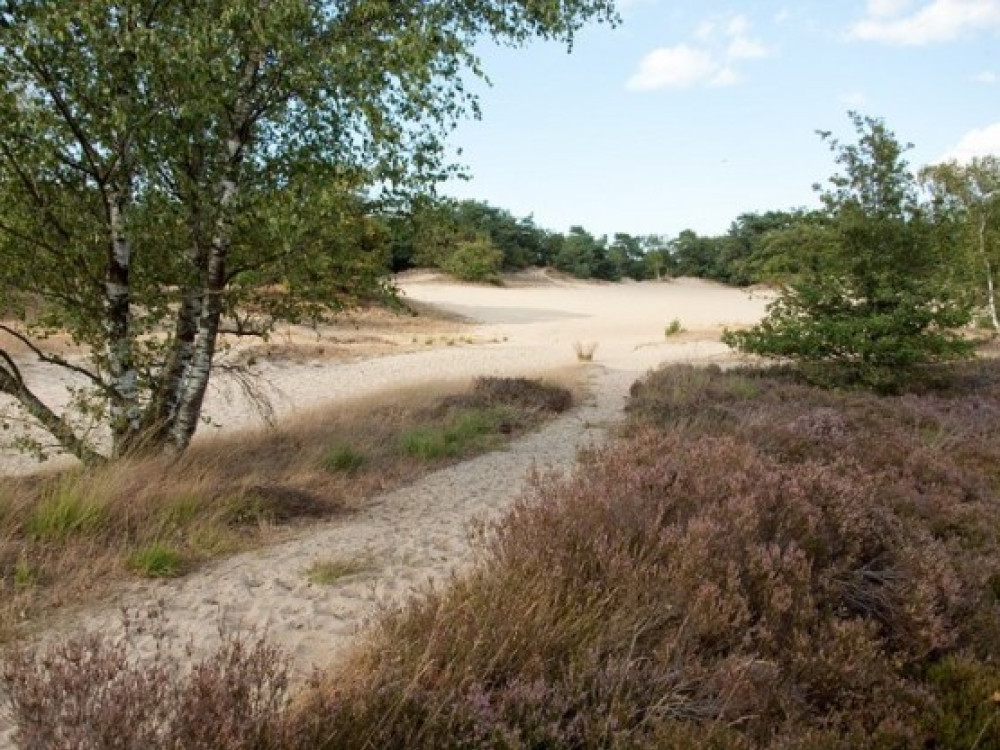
{"type": "Point", "coordinates": [156, 561]}
{"type": "Point", "coordinates": [464, 431]}
{"type": "Point", "coordinates": [67, 509]}
{"type": "Point", "coordinates": [584, 350]}
{"type": "Point", "coordinates": [328, 572]}
{"type": "Point", "coordinates": [343, 457]}
{"type": "Point", "coordinates": [673, 328]}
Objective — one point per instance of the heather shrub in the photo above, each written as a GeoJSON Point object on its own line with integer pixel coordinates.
{"type": "Point", "coordinates": [92, 692]}
{"type": "Point", "coordinates": [525, 393]}
{"type": "Point", "coordinates": [691, 591]}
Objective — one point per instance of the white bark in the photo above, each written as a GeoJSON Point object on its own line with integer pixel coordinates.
{"type": "Point", "coordinates": [125, 412]}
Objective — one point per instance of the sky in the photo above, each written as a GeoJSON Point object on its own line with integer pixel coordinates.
{"type": "Point", "coordinates": [691, 112]}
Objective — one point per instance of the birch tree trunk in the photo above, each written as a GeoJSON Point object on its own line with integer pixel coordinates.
{"type": "Point", "coordinates": [990, 294]}
{"type": "Point", "coordinates": [124, 384]}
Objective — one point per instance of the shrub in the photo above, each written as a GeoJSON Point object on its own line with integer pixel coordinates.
{"type": "Point", "coordinates": [673, 328]}
{"type": "Point", "coordinates": [475, 260]}
{"type": "Point", "coordinates": [523, 393]}
{"type": "Point", "coordinates": [91, 692]}
{"type": "Point", "coordinates": [877, 302]}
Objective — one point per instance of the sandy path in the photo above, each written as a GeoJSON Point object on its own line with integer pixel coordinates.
{"type": "Point", "coordinates": [419, 533]}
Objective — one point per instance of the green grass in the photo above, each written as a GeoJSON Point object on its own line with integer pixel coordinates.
{"type": "Point", "coordinates": [328, 572]}
{"type": "Point", "coordinates": [673, 328]}
{"type": "Point", "coordinates": [469, 430]}
{"type": "Point", "coordinates": [156, 560]}
{"type": "Point", "coordinates": [65, 511]}
{"type": "Point", "coordinates": [25, 576]}
{"type": "Point", "coordinates": [343, 458]}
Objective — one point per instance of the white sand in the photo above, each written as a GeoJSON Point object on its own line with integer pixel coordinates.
{"type": "Point", "coordinates": [419, 533]}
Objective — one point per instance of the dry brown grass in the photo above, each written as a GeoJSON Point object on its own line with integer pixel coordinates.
{"type": "Point", "coordinates": [70, 538]}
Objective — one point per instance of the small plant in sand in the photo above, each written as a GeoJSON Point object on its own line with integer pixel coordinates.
{"type": "Point", "coordinates": [328, 572]}
{"type": "Point", "coordinates": [156, 560]}
{"type": "Point", "coordinates": [585, 350]}
{"type": "Point", "coordinates": [673, 328]}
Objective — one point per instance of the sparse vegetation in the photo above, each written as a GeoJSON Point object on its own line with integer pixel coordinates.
{"type": "Point", "coordinates": [673, 328]}
{"type": "Point", "coordinates": [328, 572]}
{"type": "Point", "coordinates": [156, 560]}
{"type": "Point", "coordinates": [69, 538]}
{"type": "Point", "coordinates": [585, 350]}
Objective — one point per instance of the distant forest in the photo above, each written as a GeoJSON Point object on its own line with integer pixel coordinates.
{"type": "Point", "coordinates": [475, 241]}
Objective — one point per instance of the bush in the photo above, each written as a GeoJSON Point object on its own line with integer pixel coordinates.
{"type": "Point", "coordinates": [90, 692]}
{"type": "Point", "coordinates": [523, 393]}
{"type": "Point", "coordinates": [476, 260]}
{"type": "Point", "coordinates": [877, 302]}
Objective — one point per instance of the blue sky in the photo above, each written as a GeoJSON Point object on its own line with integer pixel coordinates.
{"type": "Point", "coordinates": [690, 113]}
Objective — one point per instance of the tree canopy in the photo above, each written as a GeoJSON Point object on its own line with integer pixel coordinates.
{"type": "Point", "coordinates": [877, 299]}
{"type": "Point", "coordinates": [162, 162]}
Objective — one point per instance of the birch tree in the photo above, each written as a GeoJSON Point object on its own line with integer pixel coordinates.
{"type": "Point", "coordinates": [161, 159]}
{"type": "Point", "coordinates": [973, 191]}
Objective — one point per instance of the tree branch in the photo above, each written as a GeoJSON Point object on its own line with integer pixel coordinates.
{"type": "Point", "coordinates": [12, 383]}
{"type": "Point", "coordinates": [56, 360]}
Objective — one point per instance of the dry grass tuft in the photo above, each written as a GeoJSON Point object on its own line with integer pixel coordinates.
{"type": "Point", "coordinates": [585, 350]}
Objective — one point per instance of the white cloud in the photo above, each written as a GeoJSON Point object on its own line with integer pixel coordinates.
{"type": "Point", "coordinates": [980, 142]}
{"type": "Point", "coordinates": [887, 8]}
{"type": "Point", "coordinates": [725, 77]}
{"type": "Point", "coordinates": [987, 77]}
{"type": "Point", "coordinates": [677, 67]}
{"type": "Point", "coordinates": [891, 22]}
{"type": "Point", "coordinates": [708, 60]}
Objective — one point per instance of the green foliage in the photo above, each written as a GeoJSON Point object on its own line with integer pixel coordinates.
{"type": "Point", "coordinates": [168, 170]}
{"type": "Point", "coordinates": [966, 202]}
{"type": "Point", "coordinates": [673, 328]}
{"type": "Point", "coordinates": [156, 560]}
{"type": "Point", "coordinates": [474, 260]}
{"type": "Point", "coordinates": [876, 302]}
